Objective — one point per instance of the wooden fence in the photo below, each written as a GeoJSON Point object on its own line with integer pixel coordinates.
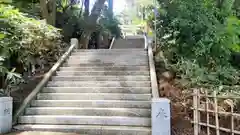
{"type": "Point", "coordinates": [215, 115]}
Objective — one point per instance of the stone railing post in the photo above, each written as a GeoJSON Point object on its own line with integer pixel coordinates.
{"type": "Point", "coordinates": [161, 116]}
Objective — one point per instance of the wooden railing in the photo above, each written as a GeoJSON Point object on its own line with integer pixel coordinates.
{"type": "Point", "coordinates": [46, 78]}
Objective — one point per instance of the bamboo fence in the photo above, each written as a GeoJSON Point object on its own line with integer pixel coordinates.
{"type": "Point", "coordinates": [209, 119]}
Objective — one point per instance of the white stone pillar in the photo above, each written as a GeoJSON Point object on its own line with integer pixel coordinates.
{"type": "Point", "coordinates": [161, 116]}
{"type": "Point", "coordinates": [5, 114]}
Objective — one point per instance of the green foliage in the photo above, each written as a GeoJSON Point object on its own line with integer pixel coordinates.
{"type": "Point", "coordinates": [198, 38]}
{"type": "Point", "coordinates": [11, 81]}
{"type": "Point", "coordinates": [71, 21]}
{"type": "Point", "coordinates": [110, 23]}
{"type": "Point", "coordinates": [22, 39]}
{"type": "Point", "coordinates": [26, 36]}
{"type": "Point", "coordinates": [232, 31]}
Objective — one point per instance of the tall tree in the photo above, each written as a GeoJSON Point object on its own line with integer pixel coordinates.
{"type": "Point", "coordinates": [48, 11]}
{"type": "Point", "coordinates": [91, 22]}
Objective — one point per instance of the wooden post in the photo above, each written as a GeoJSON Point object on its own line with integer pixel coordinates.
{"type": "Point", "coordinates": [199, 112]}
{"type": "Point", "coordinates": [206, 109]}
{"type": "Point", "coordinates": [232, 119]}
{"type": "Point", "coordinates": [216, 112]}
{"type": "Point", "coordinates": [195, 111]}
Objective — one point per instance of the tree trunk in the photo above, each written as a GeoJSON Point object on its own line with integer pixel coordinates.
{"type": "Point", "coordinates": [84, 40]}
{"type": "Point", "coordinates": [92, 22]}
{"type": "Point", "coordinates": [44, 10]}
{"type": "Point", "coordinates": [54, 11]}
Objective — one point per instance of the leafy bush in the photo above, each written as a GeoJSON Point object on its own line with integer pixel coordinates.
{"type": "Point", "coordinates": [27, 37]}
{"type": "Point", "coordinates": [109, 22]}
{"type": "Point", "coordinates": [198, 37]}
{"type": "Point", "coordinates": [24, 39]}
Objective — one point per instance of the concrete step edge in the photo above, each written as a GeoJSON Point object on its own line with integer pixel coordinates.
{"type": "Point", "coordinates": [92, 103]}
{"type": "Point", "coordinates": [101, 65]}
{"type": "Point", "coordinates": [110, 76]}
{"type": "Point", "coordinates": [101, 68]}
{"type": "Point", "coordinates": [87, 129]}
{"type": "Point", "coordinates": [127, 66]}
{"type": "Point", "coordinates": [92, 120]}
{"type": "Point", "coordinates": [134, 112]}
{"type": "Point", "coordinates": [96, 90]}
{"type": "Point", "coordinates": [99, 83]}
{"type": "Point", "coordinates": [119, 81]}
{"type": "Point", "coordinates": [100, 78]}
{"type": "Point", "coordinates": [93, 96]}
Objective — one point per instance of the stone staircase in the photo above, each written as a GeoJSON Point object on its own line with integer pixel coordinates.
{"type": "Point", "coordinates": [128, 43]}
{"type": "Point", "coordinates": [95, 92]}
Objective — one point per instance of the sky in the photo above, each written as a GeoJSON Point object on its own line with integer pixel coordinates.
{"type": "Point", "coordinates": [118, 5]}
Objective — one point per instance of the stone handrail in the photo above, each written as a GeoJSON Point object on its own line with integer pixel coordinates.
{"type": "Point", "coordinates": [154, 85]}
{"type": "Point", "coordinates": [46, 78]}
{"type": "Point", "coordinates": [113, 40]}
{"type": "Point", "coordinates": [160, 107]}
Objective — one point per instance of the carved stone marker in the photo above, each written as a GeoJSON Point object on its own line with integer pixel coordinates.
{"type": "Point", "coordinates": [161, 116]}
{"type": "Point", "coordinates": [5, 114]}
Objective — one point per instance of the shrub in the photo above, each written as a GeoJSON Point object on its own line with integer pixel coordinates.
{"type": "Point", "coordinates": [198, 37]}
{"type": "Point", "coordinates": [24, 39]}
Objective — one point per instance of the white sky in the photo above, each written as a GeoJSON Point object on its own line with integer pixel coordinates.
{"type": "Point", "coordinates": [118, 5]}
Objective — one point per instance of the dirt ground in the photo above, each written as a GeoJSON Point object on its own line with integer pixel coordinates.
{"type": "Point", "coordinates": [26, 89]}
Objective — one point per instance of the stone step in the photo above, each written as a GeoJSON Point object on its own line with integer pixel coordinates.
{"type": "Point", "coordinates": [82, 64]}
{"type": "Point", "coordinates": [109, 50]}
{"type": "Point", "coordinates": [78, 68]}
{"type": "Point", "coordinates": [102, 73]}
{"type": "Point", "coordinates": [112, 50]}
{"type": "Point", "coordinates": [128, 62]}
{"type": "Point", "coordinates": [99, 84]}
{"type": "Point", "coordinates": [112, 56]}
{"type": "Point", "coordinates": [81, 120]}
{"type": "Point", "coordinates": [129, 43]}
{"type": "Point", "coordinates": [130, 90]}
{"type": "Point", "coordinates": [105, 60]}
{"type": "Point", "coordinates": [88, 129]}
{"type": "Point", "coordinates": [132, 112]}
{"type": "Point", "coordinates": [109, 55]}
{"type": "Point", "coordinates": [103, 64]}
{"type": "Point", "coordinates": [116, 62]}
{"type": "Point", "coordinates": [101, 78]}
{"type": "Point", "coordinates": [93, 96]}
{"type": "Point", "coordinates": [92, 103]}
{"type": "Point", "coordinates": [115, 53]}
